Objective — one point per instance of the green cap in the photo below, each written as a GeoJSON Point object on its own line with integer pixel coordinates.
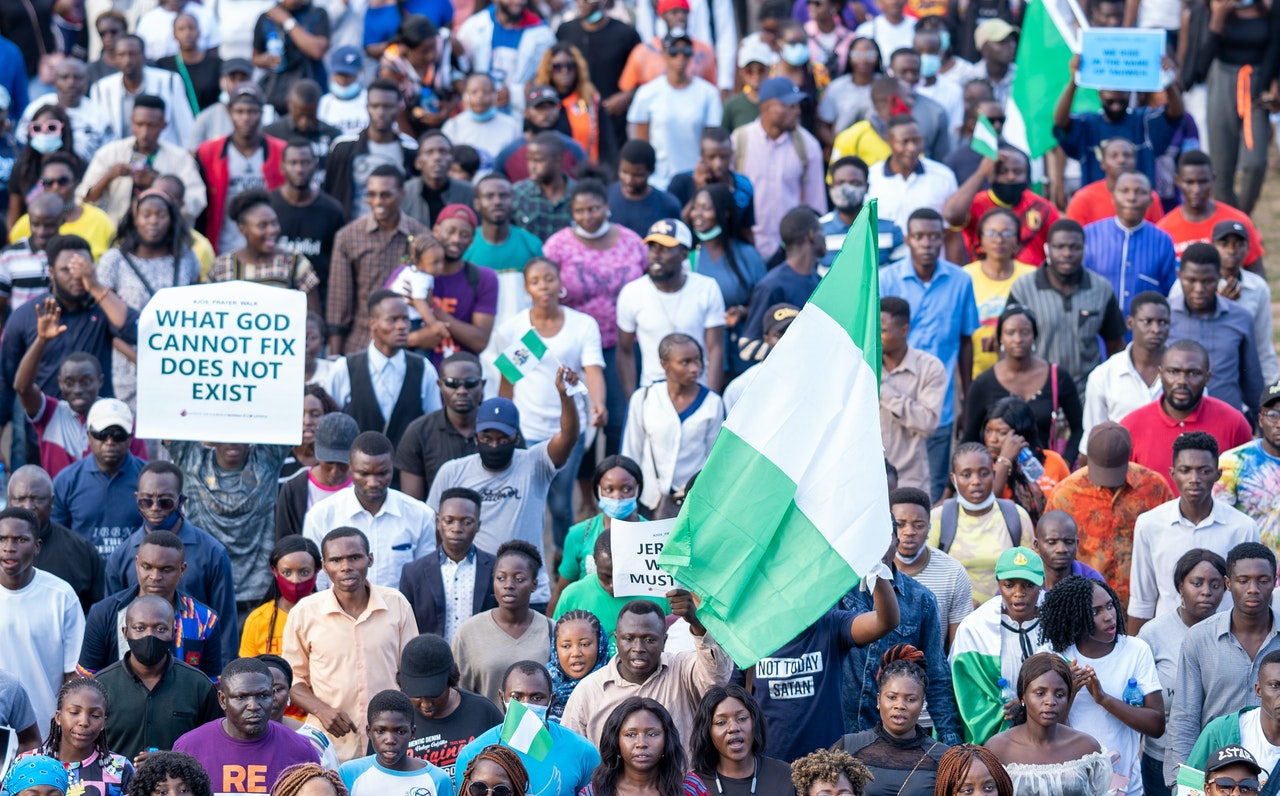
{"type": "Point", "coordinates": [1020, 563]}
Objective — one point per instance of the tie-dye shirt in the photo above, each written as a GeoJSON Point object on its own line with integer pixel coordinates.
{"type": "Point", "coordinates": [1251, 483]}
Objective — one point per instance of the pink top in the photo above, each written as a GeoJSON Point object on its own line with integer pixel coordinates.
{"type": "Point", "coordinates": [592, 279]}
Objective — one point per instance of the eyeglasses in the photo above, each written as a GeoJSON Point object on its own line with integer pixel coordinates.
{"type": "Point", "coordinates": [52, 126]}
{"type": "Point", "coordinates": [999, 234]}
{"type": "Point", "coordinates": [1272, 414]}
{"type": "Point", "coordinates": [1244, 787]}
{"type": "Point", "coordinates": [454, 384]}
{"type": "Point", "coordinates": [570, 67]}
{"type": "Point", "coordinates": [55, 182]}
{"type": "Point", "coordinates": [164, 503]}
{"type": "Point", "coordinates": [484, 789]}
{"type": "Point", "coordinates": [676, 52]}
{"type": "Point", "coordinates": [115, 434]}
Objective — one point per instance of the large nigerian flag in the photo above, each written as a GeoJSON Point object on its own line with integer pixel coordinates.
{"type": "Point", "coordinates": [792, 506]}
{"type": "Point", "coordinates": [1049, 37]}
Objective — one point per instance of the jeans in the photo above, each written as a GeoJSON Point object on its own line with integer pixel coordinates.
{"type": "Point", "coordinates": [939, 449]}
{"type": "Point", "coordinates": [560, 495]}
{"type": "Point", "coordinates": [1153, 777]}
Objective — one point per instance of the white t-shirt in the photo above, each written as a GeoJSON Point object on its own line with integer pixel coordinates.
{"type": "Point", "coordinates": [676, 119]}
{"type": "Point", "coordinates": [950, 96]}
{"type": "Point", "coordinates": [487, 137]}
{"type": "Point", "coordinates": [350, 116]}
{"type": "Point", "coordinates": [576, 346]}
{"type": "Point", "coordinates": [888, 36]}
{"type": "Point", "coordinates": [1131, 658]}
{"type": "Point", "coordinates": [362, 166]}
{"type": "Point", "coordinates": [415, 284]}
{"type": "Point", "coordinates": [1255, 740]}
{"type": "Point", "coordinates": [41, 627]}
{"type": "Point", "coordinates": [246, 174]}
{"type": "Point", "coordinates": [156, 30]}
{"type": "Point", "coordinates": [651, 315]}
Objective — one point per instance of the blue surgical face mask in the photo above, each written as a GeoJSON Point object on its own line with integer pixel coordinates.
{"type": "Point", "coordinates": [930, 64]}
{"type": "Point", "coordinates": [538, 710]}
{"type": "Point", "coordinates": [483, 116]}
{"type": "Point", "coordinates": [944, 38]}
{"type": "Point", "coordinates": [344, 92]}
{"type": "Point", "coordinates": [224, 96]}
{"type": "Point", "coordinates": [44, 143]}
{"type": "Point", "coordinates": [618, 508]}
{"type": "Point", "coordinates": [796, 53]}
{"type": "Point", "coordinates": [595, 16]}
{"type": "Point", "coordinates": [710, 234]}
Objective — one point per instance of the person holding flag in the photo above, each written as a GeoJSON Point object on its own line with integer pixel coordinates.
{"type": "Point", "coordinates": [565, 337]}
{"type": "Point", "coordinates": [1009, 171]}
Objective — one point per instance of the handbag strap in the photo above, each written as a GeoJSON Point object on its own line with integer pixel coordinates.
{"type": "Point", "coordinates": [151, 291]}
{"type": "Point", "coordinates": [1053, 422]}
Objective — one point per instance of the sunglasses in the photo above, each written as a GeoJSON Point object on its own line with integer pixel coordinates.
{"type": "Point", "coordinates": [483, 789]}
{"type": "Point", "coordinates": [996, 119]}
{"type": "Point", "coordinates": [454, 384]}
{"type": "Point", "coordinates": [164, 503]}
{"type": "Point", "coordinates": [563, 67]}
{"type": "Point", "coordinates": [1244, 786]}
{"type": "Point", "coordinates": [676, 52]}
{"type": "Point", "coordinates": [55, 182]}
{"type": "Point", "coordinates": [52, 126]}
{"type": "Point", "coordinates": [115, 434]}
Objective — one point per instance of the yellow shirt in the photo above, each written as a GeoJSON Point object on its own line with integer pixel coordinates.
{"type": "Point", "coordinates": [203, 250]}
{"type": "Point", "coordinates": [979, 541]}
{"type": "Point", "coordinates": [862, 140]}
{"type": "Point", "coordinates": [254, 639]}
{"type": "Point", "coordinates": [991, 295]}
{"type": "Point", "coordinates": [93, 225]}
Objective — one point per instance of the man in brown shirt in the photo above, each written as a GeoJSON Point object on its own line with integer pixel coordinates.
{"type": "Point", "coordinates": [913, 385]}
{"type": "Point", "coordinates": [366, 253]}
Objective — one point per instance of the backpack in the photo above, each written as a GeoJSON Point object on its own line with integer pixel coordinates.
{"type": "Point", "coordinates": [951, 517]}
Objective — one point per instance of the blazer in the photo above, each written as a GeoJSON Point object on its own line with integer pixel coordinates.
{"type": "Point", "coordinates": [108, 95]}
{"type": "Point", "coordinates": [422, 586]}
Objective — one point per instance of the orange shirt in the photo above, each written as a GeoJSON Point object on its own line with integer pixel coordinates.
{"type": "Point", "coordinates": [1093, 203]}
{"type": "Point", "coordinates": [647, 62]}
{"type": "Point", "coordinates": [1055, 472]}
{"type": "Point", "coordinates": [1185, 233]}
{"type": "Point", "coordinates": [584, 123]}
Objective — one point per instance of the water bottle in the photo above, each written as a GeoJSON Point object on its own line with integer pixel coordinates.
{"type": "Point", "coordinates": [1007, 695]}
{"type": "Point", "coordinates": [1030, 465]}
{"type": "Point", "coordinates": [1132, 694]}
{"type": "Point", "coordinates": [275, 46]}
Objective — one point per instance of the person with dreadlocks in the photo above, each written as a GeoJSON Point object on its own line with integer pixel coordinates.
{"type": "Point", "coordinates": [968, 769]}
{"type": "Point", "coordinates": [496, 768]}
{"type": "Point", "coordinates": [1040, 752]}
{"type": "Point", "coordinates": [1119, 698]}
{"type": "Point", "coordinates": [579, 646]}
{"type": "Point", "coordinates": [827, 771]}
{"type": "Point", "coordinates": [294, 779]}
{"type": "Point", "coordinates": [901, 755]}
{"type": "Point", "coordinates": [78, 740]}
{"type": "Point", "coordinates": [169, 774]}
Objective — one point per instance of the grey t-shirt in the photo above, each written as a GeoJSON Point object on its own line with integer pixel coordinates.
{"type": "Point", "coordinates": [246, 174]}
{"type": "Point", "coordinates": [362, 165]}
{"type": "Point", "coordinates": [844, 103]}
{"type": "Point", "coordinates": [16, 712]}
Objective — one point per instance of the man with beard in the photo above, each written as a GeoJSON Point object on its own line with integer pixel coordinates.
{"type": "Point", "coordinates": [433, 189]}
{"type": "Point", "coordinates": [308, 219]}
{"type": "Point", "coordinates": [465, 296]}
{"type": "Point", "coordinates": [62, 553]}
{"type": "Point", "coordinates": [1184, 407]}
{"type": "Point", "coordinates": [1009, 177]}
{"type": "Point", "coordinates": [541, 202]}
{"type": "Point", "coordinates": [498, 244]}
{"type": "Point", "coordinates": [542, 114]}
{"type": "Point", "coordinates": [1080, 134]}
{"type": "Point", "coordinates": [301, 122]}
{"type": "Point", "coordinates": [448, 433]}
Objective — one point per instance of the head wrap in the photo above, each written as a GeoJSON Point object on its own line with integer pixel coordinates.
{"type": "Point", "coordinates": [33, 771]}
{"type": "Point", "coordinates": [460, 212]}
{"type": "Point", "coordinates": [562, 684]}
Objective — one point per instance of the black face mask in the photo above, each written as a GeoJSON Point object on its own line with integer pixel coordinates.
{"type": "Point", "coordinates": [497, 457]}
{"type": "Point", "coordinates": [1008, 193]}
{"type": "Point", "coordinates": [148, 650]}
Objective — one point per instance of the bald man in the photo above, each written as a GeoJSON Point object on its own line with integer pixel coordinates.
{"type": "Point", "coordinates": [62, 553]}
{"type": "Point", "coordinates": [1056, 542]}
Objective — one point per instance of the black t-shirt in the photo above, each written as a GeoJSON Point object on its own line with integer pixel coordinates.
{"type": "Point", "coordinates": [309, 230]}
{"type": "Point", "coordinates": [204, 77]}
{"type": "Point", "coordinates": [321, 138]}
{"type": "Point", "coordinates": [640, 214]}
{"type": "Point", "coordinates": [74, 559]}
{"type": "Point", "coordinates": [296, 64]}
{"type": "Point", "coordinates": [772, 777]}
{"type": "Point", "coordinates": [438, 741]}
{"type": "Point", "coordinates": [606, 50]}
{"type": "Point", "coordinates": [429, 442]}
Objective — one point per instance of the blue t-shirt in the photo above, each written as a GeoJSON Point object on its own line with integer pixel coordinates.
{"type": "Point", "coordinates": [889, 237]}
{"type": "Point", "coordinates": [1147, 128]}
{"type": "Point", "coordinates": [781, 284]}
{"type": "Point", "coordinates": [381, 24]}
{"type": "Point", "coordinates": [798, 688]}
{"type": "Point", "coordinates": [565, 770]}
{"type": "Point", "coordinates": [365, 776]}
{"type": "Point", "coordinates": [638, 215]}
{"type": "Point", "coordinates": [736, 292]}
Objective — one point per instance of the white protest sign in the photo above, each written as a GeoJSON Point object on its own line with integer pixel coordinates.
{"type": "Point", "coordinates": [635, 547]}
{"type": "Point", "coordinates": [222, 363]}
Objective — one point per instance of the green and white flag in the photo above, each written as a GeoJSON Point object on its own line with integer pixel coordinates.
{"type": "Point", "coordinates": [1049, 36]}
{"type": "Point", "coordinates": [1190, 781]}
{"type": "Point", "coordinates": [522, 356]}
{"type": "Point", "coordinates": [524, 732]}
{"type": "Point", "coordinates": [792, 508]}
{"type": "Point", "coordinates": [985, 141]}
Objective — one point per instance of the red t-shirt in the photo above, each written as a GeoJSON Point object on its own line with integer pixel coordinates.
{"type": "Point", "coordinates": [1185, 233]}
{"type": "Point", "coordinates": [1093, 203]}
{"type": "Point", "coordinates": [1153, 432]}
{"type": "Point", "coordinates": [1037, 215]}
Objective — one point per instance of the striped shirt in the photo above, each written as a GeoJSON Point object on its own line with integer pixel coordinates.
{"type": "Point", "coordinates": [1070, 325]}
{"type": "Point", "coordinates": [23, 274]}
{"type": "Point", "coordinates": [1132, 260]}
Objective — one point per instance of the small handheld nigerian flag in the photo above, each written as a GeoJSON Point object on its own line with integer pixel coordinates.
{"type": "Point", "coordinates": [524, 732]}
{"type": "Point", "coordinates": [792, 507]}
{"type": "Point", "coordinates": [522, 356]}
{"type": "Point", "coordinates": [985, 141]}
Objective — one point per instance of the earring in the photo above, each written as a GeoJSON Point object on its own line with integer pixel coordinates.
{"type": "Point", "coordinates": [564, 291]}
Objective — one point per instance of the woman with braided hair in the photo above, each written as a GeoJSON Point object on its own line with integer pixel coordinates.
{"type": "Point", "coordinates": [496, 771]}
{"type": "Point", "coordinates": [901, 755]}
{"type": "Point", "coordinates": [970, 769]}
{"type": "Point", "coordinates": [1041, 753]}
{"type": "Point", "coordinates": [828, 772]}
{"type": "Point", "coordinates": [170, 774]}
{"type": "Point", "coordinates": [78, 740]}
{"type": "Point", "coordinates": [579, 646]}
{"type": "Point", "coordinates": [1119, 696]}
{"type": "Point", "coordinates": [295, 778]}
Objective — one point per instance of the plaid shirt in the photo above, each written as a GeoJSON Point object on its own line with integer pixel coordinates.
{"type": "Point", "coordinates": [532, 211]}
{"type": "Point", "coordinates": [364, 257]}
{"type": "Point", "coordinates": [285, 270]}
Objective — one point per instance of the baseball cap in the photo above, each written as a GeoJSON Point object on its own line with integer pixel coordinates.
{"type": "Point", "coordinates": [1020, 563]}
{"type": "Point", "coordinates": [1110, 447]}
{"type": "Point", "coordinates": [782, 89]}
{"type": "Point", "coordinates": [247, 92]}
{"type": "Point", "coordinates": [670, 232]}
{"type": "Point", "coordinates": [334, 434]}
{"type": "Point", "coordinates": [754, 51]}
{"type": "Point", "coordinates": [779, 317]}
{"type": "Point", "coordinates": [108, 412]}
{"type": "Point", "coordinates": [670, 5]}
{"type": "Point", "coordinates": [498, 414]}
{"type": "Point", "coordinates": [424, 666]}
{"type": "Point", "coordinates": [1225, 229]}
{"type": "Point", "coordinates": [1270, 394]}
{"type": "Point", "coordinates": [993, 30]}
{"type": "Point", "coordinates": [676, 34]}
{"type": "Point", "coordinates": [1228, 755]}
{"type": "Point", "coordinates": [540, 94]}
{"type": "Point", "coordinates": [346, 61]}
{"type": "Point", "coordinates": [460, 212]}
{"type": "Point", "coordinates": [234, 65]}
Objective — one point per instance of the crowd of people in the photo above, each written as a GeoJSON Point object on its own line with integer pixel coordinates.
{"type": "Point", "coordinates": [1079, 397]}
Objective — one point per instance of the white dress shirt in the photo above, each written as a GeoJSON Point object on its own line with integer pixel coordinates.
{"type": "Point", "coordinates": [387, 375]}
{"type": "Point", "coordinates": [930, 185]}
{"type": "Point", "coordinates": [403, 530]}
{"type": "Point", "coordinates": [459, 578]}
{"type": "Point", "coordinates": [1114, 389]}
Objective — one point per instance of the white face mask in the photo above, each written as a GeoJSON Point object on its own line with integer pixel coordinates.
{"type": "Point", "coordinates": [969, 505]}
{"type": "Point", "coordinates": [599, 233]}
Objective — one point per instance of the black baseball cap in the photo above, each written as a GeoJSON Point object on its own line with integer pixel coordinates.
{"type": "Point", "coordinates": [425, 665]}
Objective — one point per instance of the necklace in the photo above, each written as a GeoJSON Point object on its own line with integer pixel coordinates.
{"type": "Point", "coordinates": [755, 771]}
{"type": "Point", "coordinates": [662, 305]}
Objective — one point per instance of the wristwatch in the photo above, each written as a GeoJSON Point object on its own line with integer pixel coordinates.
{"type": "Point", "coordinates": [289, 25]}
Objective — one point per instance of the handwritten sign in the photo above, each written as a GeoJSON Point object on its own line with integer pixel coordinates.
{"type": "Point", "coordinates": [222, 363]}
{"type": "Point", "coordinates": [1122, 59]}
{"type": "Point", "coordinates": [635, 547]}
